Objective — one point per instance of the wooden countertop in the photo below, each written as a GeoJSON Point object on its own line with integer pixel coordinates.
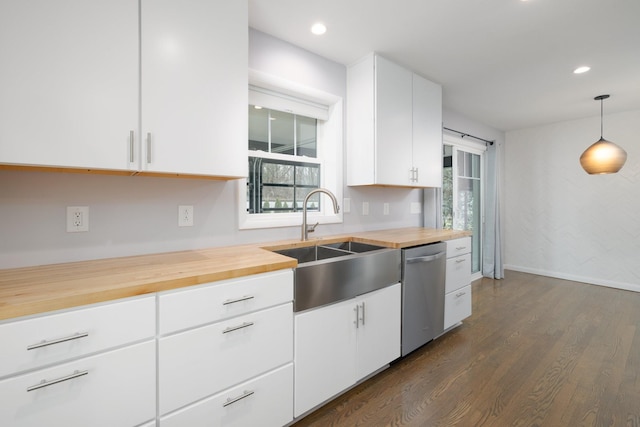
{"type": "Point", "coordinates": [31, 290]}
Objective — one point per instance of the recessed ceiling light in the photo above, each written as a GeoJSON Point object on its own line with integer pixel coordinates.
{"type": "Point", "coordinates": [257, 107]}
{"type": "Point", "coordinates": [581, 70]}
{"type": "Point", "coordinates": [318, 28]}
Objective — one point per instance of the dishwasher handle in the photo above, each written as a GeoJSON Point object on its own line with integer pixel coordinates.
{"type": "Point", "coordinates": [427, 258]}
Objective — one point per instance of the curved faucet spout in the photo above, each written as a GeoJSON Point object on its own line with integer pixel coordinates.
{"type": "Point", "coordinates": [336, 209]}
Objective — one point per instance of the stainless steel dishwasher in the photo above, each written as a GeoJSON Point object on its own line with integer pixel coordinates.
{"type": "Point", "coordinates": [423, 289]}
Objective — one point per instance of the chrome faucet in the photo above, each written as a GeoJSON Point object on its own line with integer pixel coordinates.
{"type": "Point", "coordinates": [336, 209]}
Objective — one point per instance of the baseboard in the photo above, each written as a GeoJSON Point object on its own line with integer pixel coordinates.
{"type": "Point", "coordinates": [589, 280]}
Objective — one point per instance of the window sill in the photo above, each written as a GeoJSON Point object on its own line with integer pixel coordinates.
{"type": "Point", "coordinates": [256, 221]}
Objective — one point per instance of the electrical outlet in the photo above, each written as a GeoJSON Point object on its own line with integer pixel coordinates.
{"type": "Point", "coordinates": [185, 216]}
{"type": "Point", "coordinates": [385, 209]}
{"type": "Point", "coordinates": [77, 219]}
{"type": "Point", "coordinates": [365, 208]}
{"type": "Point", "coordinates": [416, 208]}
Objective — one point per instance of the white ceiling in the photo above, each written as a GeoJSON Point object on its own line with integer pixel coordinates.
{"type": "Point", "coordinates": [506, 63]}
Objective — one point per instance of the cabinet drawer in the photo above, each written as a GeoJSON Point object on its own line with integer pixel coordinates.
{"type": "Point", "coordinates": [268, 402]}
{"type": "Point", "coordinates": [458, 272]}
{"type": "Point", "coordinates": [200, 362]}
{"type": "Point", "coordinates": [457, 247]}
{"type": "Point", "coordinates": [43, 340]}
{"type": "Point", "coordinates": [212, 302]}
{"type": "Point", "coordinates": [100, 398]}
{"type": "Point", "coordinates": [457, 306]}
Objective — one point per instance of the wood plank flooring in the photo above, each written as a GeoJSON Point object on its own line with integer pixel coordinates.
{"type": "Point", "coordinates": [537, 351]}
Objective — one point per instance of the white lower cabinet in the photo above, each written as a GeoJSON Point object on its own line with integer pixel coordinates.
{"type": "Point", "coordinates": [458, 272]}
{"type": "Point", "coordinates": [225, 353]}
{"type": "Point", "coordinates": [263, 401]}
{"type": "Point", "coordinates": [114, 388]}
{"type": "Point", "coordinates": [203, 361]}
{"type": "Point", "coordinates": [34, 342]}
{"type": "Point", "coordinates": [338, 345]}
{"type": "Point", "coordinates": [457, 300]}
{"type": "Point", "coordinates": [457, 306]}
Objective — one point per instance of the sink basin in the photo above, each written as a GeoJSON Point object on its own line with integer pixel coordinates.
{"type": "Point", "coordinates": [354, 246]}
{"type": "Point", "coordinates": [313, 253]}
{"type": "Point", "coordinates": [339, 271]}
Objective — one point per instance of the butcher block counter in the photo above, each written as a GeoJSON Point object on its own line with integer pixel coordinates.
{"type": "Point", "coordinates": [32, 290]}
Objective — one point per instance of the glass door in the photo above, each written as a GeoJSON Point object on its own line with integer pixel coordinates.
{"type": "Point", "coordinates": [462, 195]}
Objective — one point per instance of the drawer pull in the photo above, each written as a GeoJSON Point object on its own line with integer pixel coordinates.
{"type": "Point", "coordinates": [45, 383]}
{"type": "Point", "coordinates": [232, 400]}
{"type": "Point", "coordinates": [59, 340]}
{"type": "Point", "coordinates": [458, 261]}
{"type": "Point", "coordinates": [235, 328]}
{"type": "Point", "coordinates": [459, 248]}
{"type": "Point", "coordinates": [458, 295]}
{"type": "Point", "coordinates": [233, 301]}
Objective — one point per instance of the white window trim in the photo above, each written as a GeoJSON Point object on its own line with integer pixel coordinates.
{"type": "Point", "coordinates": [330, 148]}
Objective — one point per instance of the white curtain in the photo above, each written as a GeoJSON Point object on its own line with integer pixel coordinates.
{"type": "Point", "coordinates": [492, 265]}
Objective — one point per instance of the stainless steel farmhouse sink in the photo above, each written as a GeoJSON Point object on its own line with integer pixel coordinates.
{"type": "Point", "coordinates": [337, 271]}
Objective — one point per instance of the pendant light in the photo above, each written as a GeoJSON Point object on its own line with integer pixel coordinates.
{"type": "Point", "coordinates": [603, 156]}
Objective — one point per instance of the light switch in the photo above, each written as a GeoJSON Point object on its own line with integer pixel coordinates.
{"type": "Point", "coordinates": [346, 205]}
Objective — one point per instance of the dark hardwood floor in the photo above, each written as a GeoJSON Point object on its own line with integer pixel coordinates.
{"type": "Point", "coordinates": [537, 351]}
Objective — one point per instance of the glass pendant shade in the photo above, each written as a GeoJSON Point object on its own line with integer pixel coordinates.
{"type": "Point", "coordinates": [603, 156]}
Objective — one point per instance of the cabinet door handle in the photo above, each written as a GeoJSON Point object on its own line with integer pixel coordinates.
{"type": "Point", "coordinates": [458, 295]}
{"type": "Point", "coordinates": [362, 318]}
{"type": "Point", "coordinates": [357, 310]}
{"type": "Point", "coordinates": [417, 178]}
{"type": "Point", "coordinates": [233, 301]}
{"type": "Point", "coordinates": [459, 248]}
{"type": "Point", "coordinates": [45, 383]}
{"type": "Point", "coordinates": [235, 328]}
{"type": "Point", "coordinates": [458, 261]}
{"type": "Point", "coordinates": [232, 400]}
{"type": "Point", "coordinates": [131, 136]}
{"type": "Point", "coordinates": [44, 343]}
{"type": "Point", "coordinates": [148, 147]}
{"type": "Point", "coordinates": [413, 175]}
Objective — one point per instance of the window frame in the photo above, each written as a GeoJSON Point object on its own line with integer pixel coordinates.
{"type": "Point", "coordinates": [472, 147]}
{"type": "Point", "coordinates": [284, 95]}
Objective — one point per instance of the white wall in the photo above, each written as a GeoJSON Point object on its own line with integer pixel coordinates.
{"type": "Point", "coordinates": [564, 223]}
{"type": "Point", "coordinates": [454, 120]}
{"type": "Point", "coordinates": [137, 215]}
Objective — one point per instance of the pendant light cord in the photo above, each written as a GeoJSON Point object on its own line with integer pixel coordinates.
{"type": "Point", "coordinates": [601, 120]}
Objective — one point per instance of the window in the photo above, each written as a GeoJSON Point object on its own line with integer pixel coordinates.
{"type": "Point", "coordinates": [279, 182]}
{"type": "Point", "coordinates": [294, 146]}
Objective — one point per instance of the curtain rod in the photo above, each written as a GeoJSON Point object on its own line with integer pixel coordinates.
{"type": "Point", "coordinates": [463, 134]}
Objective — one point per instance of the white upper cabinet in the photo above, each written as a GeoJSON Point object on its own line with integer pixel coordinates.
{"type": "Point", "coordinates": [394, 126]}
{"type": "Point", "coordinates": [427, 132]}
{"type": "Point", "coordinates": [194, 87]}
{"type": "Point", "coordinates": [151, 86]}
{"type": "Point", "coordinates": [392, 123]}
{"type": "Point", "coordinates": [68, 83]}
